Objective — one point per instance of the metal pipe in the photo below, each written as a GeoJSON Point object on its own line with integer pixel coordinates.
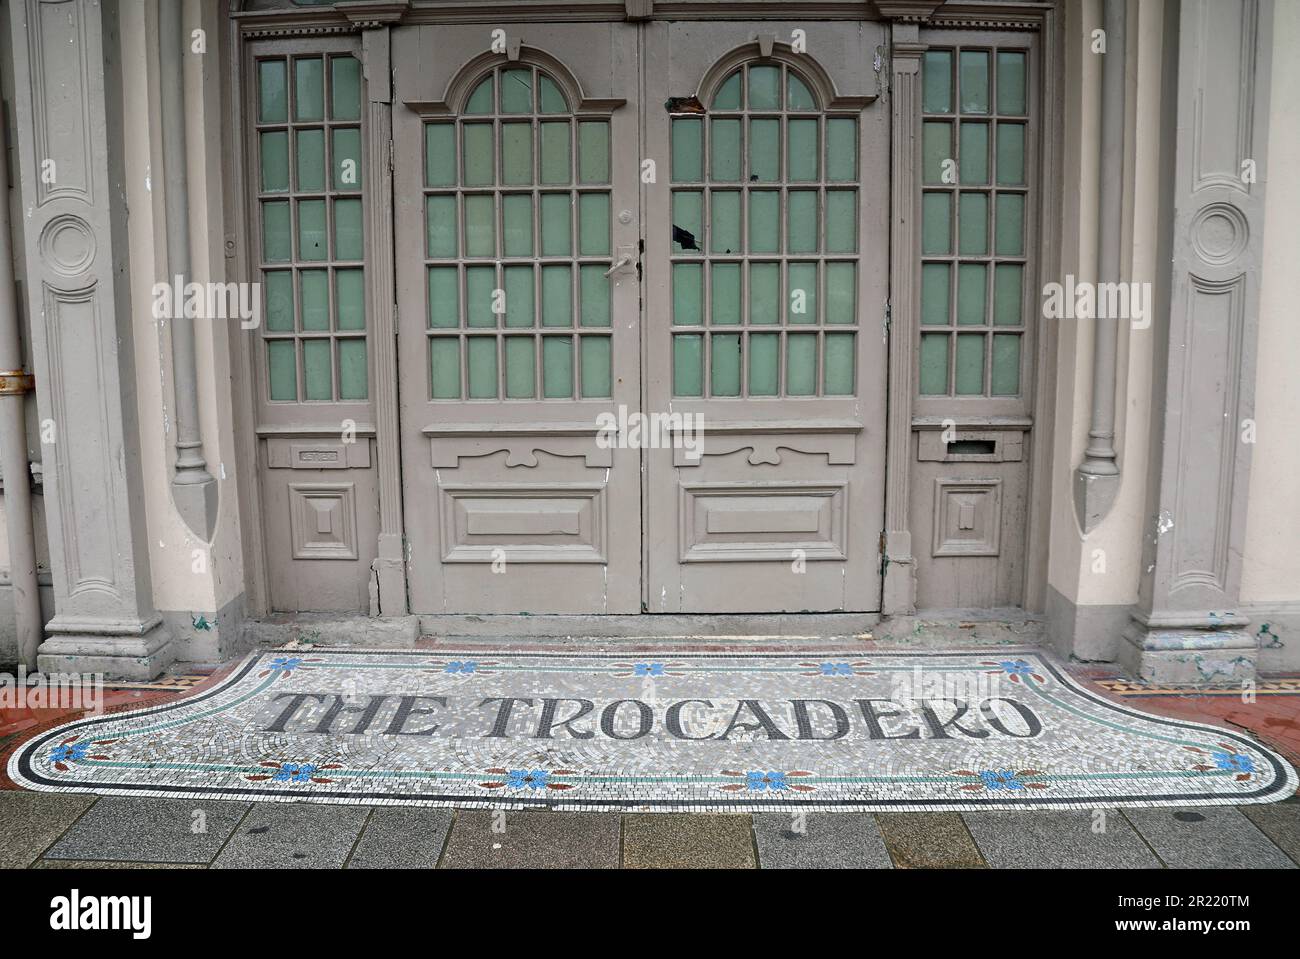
{"type": "Point", "coordinates": [15, 383]}
{"type": "Point", "coordinates": [1099, 457]}
{"type": "Point", "coordinates": [191, 468]}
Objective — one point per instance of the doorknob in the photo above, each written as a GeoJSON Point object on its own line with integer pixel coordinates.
{"type": "Point", "coordinates": [626, 259]}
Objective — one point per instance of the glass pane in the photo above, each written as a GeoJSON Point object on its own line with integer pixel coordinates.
{"type": "Point", "coordinates": [557, 237]}
{"type": "Point", "coordinates": [349, 236]}
{"type": "Point", "coordinates": [480, 226]}
{"type": "Point", "coordinates": [764, 221]}
{"type": "Point", "coordinates": [724, 150]}
{"type": "Point", "coordinates": [801, 149]}
{"type": "Point", "coordinates": [276, 247]}
{"type": "Point", "coordinates": [974, 82]}
{"type": "Point", "coordinates": [799, 97]}
{"type": "Point", "coordinates": [974, 152]}
{"type": "Point", "coordinates": [595, 296]}
{"type": "Point", "coordinates": [557, 367]}
{"type": "Point", "coordinates": [1006, 365]}
{"type": "Point", "coordinates": [971, 290]}
{"type": "Point", "coordinates": [556, 153]}
{"type": "Point", "coordinates": [1010, 240]}
{"type": "Point", "coordinates": [480, 281]}
{"type": "Point", "coordinates": [476, 154]}
{"type": "Point", "coordinates": [521, 367]}
{"type": "Point", "coordinates": [440, 219]}
{"type": "Point", "coordinates": [282, 370]}
{"type": "Point", "coordinates": [764, 88]}
{"type": "Point", "coordinates": [936, 147]}
{"type": "Point", "coordinates": [764, 364]}
{"type": "Point", "coordinates": [1011, 83]}
{"type": "Point", "coordinates": [1007, 293]}
{"type": "Point", "coordinates": [312, 241]}
{"type": "Point", "coordinates": [687, 220]}
{"type": "Point", "coordinates": [517, 232]}
{"type": "Point", "coordinates": [519, 295]}
{"type": "Point", "coordinates": [724, 294]}
{"type": "Point", "coordinates": [841, 292]}
{"type": "Point", "coordinates": [345, 88]}
{"type": "Point", "coordinates": [352, 369]}
{"type": "Point", "coordinates": [688, 364]}
{"type": "Point", "coordinates": [841, 221]}
{"type": "Point", "coordinates": [517, 91]}
{"type": "Point", "coordinates": [317, 370]}
{"type": "Point", "coordinates": [936, 223]}
{"type": "Point", "coordinates": [275, 161]}
{"type": "Point", "coordinates": [688, 294]}
{"type": "Point", "coordinates": [278, 289]}
{"type": "Point", "coordinates": [595, 366]}
{"type": "Point", "coordinates": [557, 296]}
{"type": "Point", "coordinates": [1011, 153]}
{"type": "Point", "coordinates": [970, 364]}
{"type": "Point", "coordinates": [764, 150]}
{"type": "Point", "coordinates": [936, 279]}
{"type": "Point", "coordinates": [310, 152]}
{"type": "Point", "coordinates": [347, 158]}
{"type": "Point", "coordinates": [444, 368]}
{"type": "Point", "coordinates": [841, 149]}
{"type": "Point", "coordinates": [480, 101]}
{"type": "Point", "coordinates": [801, 364]}
{"type": "Point", "coordinates": [688, 149]}
{"type": "Point", "coordinates": [724, 364]}
{"type": "Point", "coordinates": [314, 290]}
{"type": "Point", "coordinates": [764, 293]}
{"type": "Point", "coordinates": [802, 226]}
{"type": "Point", "coordinates": [593, 224]}
{"type": "Point", "coordinates": [936, 96]}
{"type": "Point", "coordinates": [728, 97]}
{"type": "Point", "coordinates": [934, 364]}
{"type": "Point", "coordinates": [839, 364]}
{"type": "Point", "coordinates": [444, 297]}
{"type": "Point", "coordinates": [724, 221]}
{"type": "Point", "coordinates": [593, 151]}
{"type": "Point", "coordinates": [973, 224]}
{"type": "Point", "coordinates": [516, 153]}
{"type": "Point", "coordinates": [482, 361]}
{"type": "Point", "coordinates": [802, 293]}
{"type": "Point", "coordinates": [552, 100]}
{"type": "Point", "coordinates": [273, 104]}
{"type": "Point", "coordinates": [309, 89]}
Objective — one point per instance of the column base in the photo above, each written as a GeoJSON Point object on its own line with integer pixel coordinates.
{"type": "Point", "coordinates": [1187, 656]}
{"type": "Point", "coordinates": [898, 596]}
{"type": "Point", "coordinates": [116, 650]}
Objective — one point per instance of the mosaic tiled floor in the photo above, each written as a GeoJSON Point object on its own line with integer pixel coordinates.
{"type": "Point", "coordinates": [838, 729]}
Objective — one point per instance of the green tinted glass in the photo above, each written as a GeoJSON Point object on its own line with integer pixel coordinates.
{"type": "Point", "coordinates": [444, 297]}
{"type": "Point", "coordinates": [275, 161]}
{"type": "Point", "coordinates": [969, 367]}
{"type": "Point", "coordinates": [282, 370]}
{"type": "Point", "coordinates": [481, 358]}
{"type": "Point", "coordinates": [276, 244]}
{"type": "Point", "coordinates": [557, 295]}
{"type": "Point", "coordinates": [557, 367]}
{"type": "Point", "coordinates": [724, 364]}
{"type": "Point", "coordinates": [277, 287]}
{"type": "Point", "coordinates": [936, 94]}
{"type": "Point", "coordinates": [764, 364]}
{"type": "Point", "coordinates": [688, 294]}
{"type": "Point", "coordinates": [596, 360]}
{"type": "Point", "coordinates": [838, 364]}
{"type": "Point", "coordinates": [801, 364]}
{"type": "Point", "coordinates": [440, 222]}
{"type": "Point", "coordinates": [314, 293]}
{"type": "Point", "coordinates": [521, 367]}
{"type": "Point", "coordinates": [317, 370]}
{"type": "Point", "coordinates": [352, 369]}
{"type": "Point", "coordinates": [688, 364]}
{"type": "Point", "coordinates": [934, 364]}
{"type": "Point", "coordinates": [688, 149]}
{"type": "Point", "coordinates": [346, 153]}
{"type": "Point", "coordinates": [345, 88]}
{"type": "Point", "coordinates": [724, 294]}
{"type": "Point", "coordinates": [313, 242]}
{"type": "Point", "coordinates": [444, 368]}
{"type": "Point", "coordinates": [309, 89]}
{"type": "Point", "coordinates": [272, 97]}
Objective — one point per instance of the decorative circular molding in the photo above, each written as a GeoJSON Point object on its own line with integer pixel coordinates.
{"type": "Point", "coordinates": [1219, 233]}
{"type": "Point", "coordinates": [68, 245]}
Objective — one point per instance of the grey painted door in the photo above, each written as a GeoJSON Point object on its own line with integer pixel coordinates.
{"type": "Point", "coordinates": [548, 274]}
{"type": "Point", "coordinates": [766, 282]}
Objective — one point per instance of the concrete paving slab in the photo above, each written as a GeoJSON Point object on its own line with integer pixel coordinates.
{"type": "Point", "coordinates": [826, 841]}
{"type": "Point", "coordinates": [1046, 839]}
{"type": "Point", "coordinates": [929, 840]}
{"type": "Point", "coordinates": [688, 841]}
{"type": "Point", "coordinates": [130, 829]}
{"type": "Point", "coordinates": [111, 864]}
{"type": "Point", "coordinates": [402, 838]}
{"type": "Point", "coordinates": [532, 840]}
{"type": "Point", "coordinates": [293, 836]}
{"type": "Point", "coordinates": [1280, 822]}
{"type": "Point", "coordinates": [1207, 837]}
{"type": "Point", "coordinates": [31, 821]}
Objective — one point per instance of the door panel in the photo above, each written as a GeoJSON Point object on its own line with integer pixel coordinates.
{"type": "Point", "coordinates": [515, 177]}
{"type": "Point", "coordinates": [766, 269]}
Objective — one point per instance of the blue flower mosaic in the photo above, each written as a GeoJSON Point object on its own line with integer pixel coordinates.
{"type": "Point", "coordinates": [1004, 779]}
{"type": "Point", "coordinates": [461, 668]}
{"type": "Point", "coordinates": [291, 773]}
{"type": "Point", "coordinates": [835, 669]}
{"type": "Point", "coordinates": [69, 752]}
{"type": "Point", "coordinates": [758, 781]}
{"type": "Point", "coordinates": [284, 664]}
{"type": "Point", "coordinates": [647, 669]}
{"type": "Point", "coordinates": [1234, 762]}
{"type": "Point", "coordinates": [524, 779]}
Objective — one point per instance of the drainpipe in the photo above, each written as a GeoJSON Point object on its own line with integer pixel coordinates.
{"type": "Point", "coordinates": [1097, 478]}
{"type": "Point", "coordinates": [15, 383]}
{"type": "Point", "coordinates": [193, 488]}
